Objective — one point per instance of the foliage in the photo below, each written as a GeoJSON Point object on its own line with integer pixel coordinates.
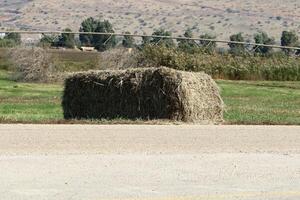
{"type": "Point", "coordinates": [237, 49]}
{"type": "Point", "coordinates": [208, 46]}
{"type": "Point", "coordinates": [263, 38]}
{"type": "Point", "coordinates": [31, 65]}
{"type": "Point", "coordinates": [7, 43]}
{"type": "Point", "coordinates": [117, 58]}
{"type": "Point", "coordinates": [289, 39]}
{"type": "Point", "coordinates": [128, 41]}
{"type": "Point", "coordinates": [162, 41]}
{"type": "Point", "coordinates": [16, 37]}
{"type": "Point", "coordinates": [67, 39]}
{"type": "Point", "coordinates": [47, 41]}
{"type": "Point", "coordinates": [10, 40]}
{"type": "Point", "coordinates": [145, 41]}
{"type": "Point", "coordinates": [225, 66]}
{"type": "Point", "coordinates": [187, 45]}
{"type": "Point", "coordinates": [100, 42]}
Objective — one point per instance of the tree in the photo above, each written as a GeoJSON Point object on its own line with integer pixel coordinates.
{"type": "Point", "coordinates": [48, 41]}
{"type": "Point", "coordinates": [7, 43]}
{"type": "Point", "coordinates": [263, 38]}
{"type": "Point", "coordinates": [162, 41]}
{"type": "Point", "coordinates": [15, 37]}
{"type": "Point", "coordinates": [100, 42]}
{"type": "Point", "coordinates": [209, 46]}
{"type": "Point", "coordinates": [289, 39]}
{"type": "Point", "coordinates": [88, 25]}
{"type": "Point", "coordinates": [145, 40]}
{"type": "Point", "coordinates": [237, 48]}
{"type": "Point", "coordinates": [67, 39]}
{"type": "Point", "coordinates": [188, 46]}
{"type": "Point", "coordinates": [128, 41]}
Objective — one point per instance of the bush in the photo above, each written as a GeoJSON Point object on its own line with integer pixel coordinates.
{"type": "Point", "coordinates": [223, 66]}
{"type": "Point", "coordinates": [118, 58]}
{"type": "Point", "coordinates": [7, 43]}
{"type": "Point", "coordinates": [31, 65]}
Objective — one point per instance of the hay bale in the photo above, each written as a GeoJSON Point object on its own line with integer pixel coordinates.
{"type": "Point", "coordinates": [145, 93]}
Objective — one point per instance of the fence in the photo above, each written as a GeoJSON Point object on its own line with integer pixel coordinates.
{"type": "Point", "coordinates": [249, 65]}
{"type": "Point", "coordinates": [208, 41]}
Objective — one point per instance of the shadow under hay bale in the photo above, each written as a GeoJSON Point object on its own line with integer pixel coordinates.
{"type": "Point", "coordinates": [146, 93]}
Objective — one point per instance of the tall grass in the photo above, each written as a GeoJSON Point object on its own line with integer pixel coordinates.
{"type": "Point", "coordinates": [224, 66]}
{"type": "Point", "coordinates": [278, 67]}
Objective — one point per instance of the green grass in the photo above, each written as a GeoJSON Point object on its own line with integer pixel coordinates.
{"type": "Point", "coordinates": [29, 102]}
{"type": "Point", "coordinates": [261, 102]}
{"type": "Point", "coordinates": [247, 102]}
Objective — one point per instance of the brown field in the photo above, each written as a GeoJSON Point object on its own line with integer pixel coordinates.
{"type": "Point", "coordinates": [219, 17]}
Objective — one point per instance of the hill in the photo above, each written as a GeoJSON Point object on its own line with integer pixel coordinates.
{"type": "Point", "coordinates": [218, 17]}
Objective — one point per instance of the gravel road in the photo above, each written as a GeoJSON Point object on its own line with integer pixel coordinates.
{"type": "Point", "coordinates": [149, 162]}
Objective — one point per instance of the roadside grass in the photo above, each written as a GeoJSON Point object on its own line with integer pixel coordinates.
{"type": "Point", "coordinates": [247, 102]}
{"type": "Point", "coordinates": [28, 102]}
{"type": "Point", "coordinates": [261, 102]}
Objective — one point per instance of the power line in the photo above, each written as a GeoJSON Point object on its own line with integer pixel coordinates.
{"type": "Point", "coordinates": [154, 36]}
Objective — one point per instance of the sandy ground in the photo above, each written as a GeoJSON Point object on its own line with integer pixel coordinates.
{"type": "Point", "coordinates": [217, 17]}
{"type": "Point", "coordinates": [149, 162]}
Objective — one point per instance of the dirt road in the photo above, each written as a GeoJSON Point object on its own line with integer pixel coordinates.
{"type": "Point", "coordinates": [149, 162]}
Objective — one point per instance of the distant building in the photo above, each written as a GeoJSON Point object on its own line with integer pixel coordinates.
{"type": "Point", "coordinates": [130, 50]}
{"type": "Point", "coordinates": [2, 35]}
{"type": "Point", "coordinates": [88, 49]}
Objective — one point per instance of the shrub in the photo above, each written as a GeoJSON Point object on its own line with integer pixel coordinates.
{"type": "Point", "coordinates": [224, 66]}
{"type": "Point", "coordinates": [31, 64]}
{"type": "Point", "coordinates": [118, 58]}
{"type": "Point", "coordinates": [237, 49]}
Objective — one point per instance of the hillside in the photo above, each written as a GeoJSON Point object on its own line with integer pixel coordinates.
{"type": "Point", "coordinates": [218, 17]}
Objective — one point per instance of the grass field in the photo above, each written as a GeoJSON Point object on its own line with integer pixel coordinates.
{"type": "Point", "coordinates": [246, 102]}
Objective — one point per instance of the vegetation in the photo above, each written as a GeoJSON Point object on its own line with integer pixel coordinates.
{"type": "Point", "coordinates": [225, 66]}
{"type": "Point", "coordinates": [237, 49]}
{"type": "Point", "coordinates": [10, 40]}
{"type": "Point", "coordinates": [16, 37]}
{"type": "Point", "coordinates": [128, 41]}
{"type": "Point", "coordinates": [261, 102]}
{"type": "Point", "coordinates": [67, 39]}
{"type": "Point", "coordinates": [289, 39]}
{"type": "Point", "coordinates": [188, 46]}
{"type": "Point", "coordinates": [263, 38]}
{"type": "Point", "coordinates": [28, 102]}
{"type": "Point", "coordinates": [47, 41]}
{"type": "Point", "coordinates": [162, 41]}
{"type": "Point", "coordinates": [246, 102]}
{"type": "Point", "coordinates": [208, 46]}
{"type": "Point", "coordinates": [100, 42]}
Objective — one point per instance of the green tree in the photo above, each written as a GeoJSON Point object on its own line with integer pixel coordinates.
{"type": "Point", "coordinates": [162, 41]}
{"type": "Point", "coordinates": [88, 25]}
{"type": "Point", "coordinates": [188, 46]}
{"type": "Point", "coordinates": [128, 41]}
{"type": "Point", "coordinates": [7, 43]}
{"type": "Point", "coordinates": [67, 39]}
{"type": "Point", "coordinates": [289, 39]}
{"type": "Point", "coordinates": [145, 40]}
{"type": "Point", "coordinates": [100, 42]}
{"type": "Point", "coordinates": [263, 38]}
{"type": "Point", "coordinates": [209, 46]}
{"type": "Point", "coordinates": [16, 37]}
{"type": "Point", "coordinates": [237, 49]}
{"type": "Point", "coordinates": [48, 41]}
